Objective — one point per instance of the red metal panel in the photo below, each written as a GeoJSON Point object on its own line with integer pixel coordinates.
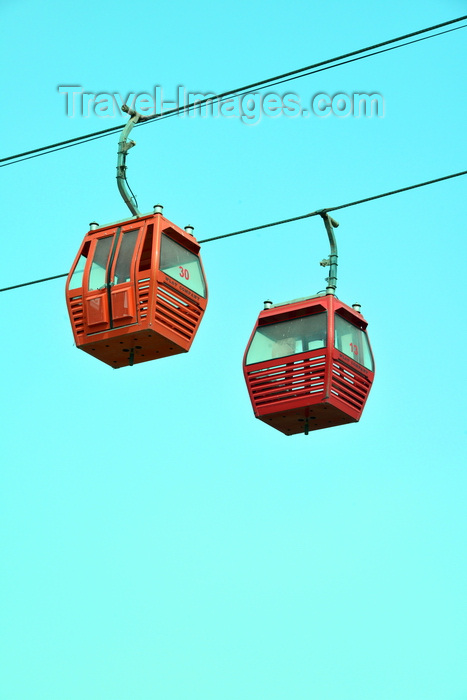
{"type": "Point", "coordinates": [123, 304]}
{"type": "Point", "coordinates": [97, 310]}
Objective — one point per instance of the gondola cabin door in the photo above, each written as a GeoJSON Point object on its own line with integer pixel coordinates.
{"type": "Point", "coordinates": [109, 282]}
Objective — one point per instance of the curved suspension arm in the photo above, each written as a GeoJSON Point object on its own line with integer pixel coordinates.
{"type": "Point", "coordinates": [123, 147]}
{"type": "Point", "coordinates": [330, 225]}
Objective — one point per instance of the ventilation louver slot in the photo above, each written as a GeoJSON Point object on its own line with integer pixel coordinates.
{"type": "Point", "coordinates": [176, 312]}
{"type": "Point", "coordinates": [288, 380]}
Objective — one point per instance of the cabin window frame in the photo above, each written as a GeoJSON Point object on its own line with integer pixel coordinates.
{"type": "Point", "coordinates": [353, 342]}
{"type": "Point", "coordinates": [185, 267]}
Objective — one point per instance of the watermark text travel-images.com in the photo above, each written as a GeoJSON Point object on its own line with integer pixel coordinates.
{"type": "Point", "coordinates": [250, 108]}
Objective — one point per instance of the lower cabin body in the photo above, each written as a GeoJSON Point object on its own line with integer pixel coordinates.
{"type": "Point", "coordinates": [297, 396]}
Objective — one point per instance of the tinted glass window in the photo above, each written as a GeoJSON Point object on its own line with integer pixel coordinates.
{"type": "Point", "coordinates": [288, 338]}
{"type": "Point", "coordinates": [122, 271]}
{"type": "Point", "coordinates": [77, 276]}
{"type": "Point", "coordinates": [352, 342]}
{"type": "Point", "coordinates": [97, 275]}
{"type": "Point", "coordinates": [182, 265]}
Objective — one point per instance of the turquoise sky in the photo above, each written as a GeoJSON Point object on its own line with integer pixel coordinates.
{"type": "Point", "coordinates": [157, 541]}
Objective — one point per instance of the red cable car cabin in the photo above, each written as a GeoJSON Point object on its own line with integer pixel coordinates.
{"type": "Point", "coordinates": [136, 291]}
{"type": "Point", "coordinates": [309, 365]}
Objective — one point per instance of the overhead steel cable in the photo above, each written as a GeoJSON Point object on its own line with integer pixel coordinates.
{"type": "Point", "coordinates": [317, 212]}
{"type": "Point", "coordinates": [313, 71]}
{"type": "Point", "coordinates": [358, 54]}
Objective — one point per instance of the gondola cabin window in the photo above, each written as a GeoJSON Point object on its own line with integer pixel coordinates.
{"type": "Point", "coordinates": [287, 338]}
{"type": "Point", "coordinates": [97, 274]}
{"type": "Point", "coordinates": [182, 265]}
{"type": "Point", "coordinates": [77, 277]}
{"type": "Point", "coordinates": [123, 266]}
{"type": "Point", "coordinates": [352, 342]}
